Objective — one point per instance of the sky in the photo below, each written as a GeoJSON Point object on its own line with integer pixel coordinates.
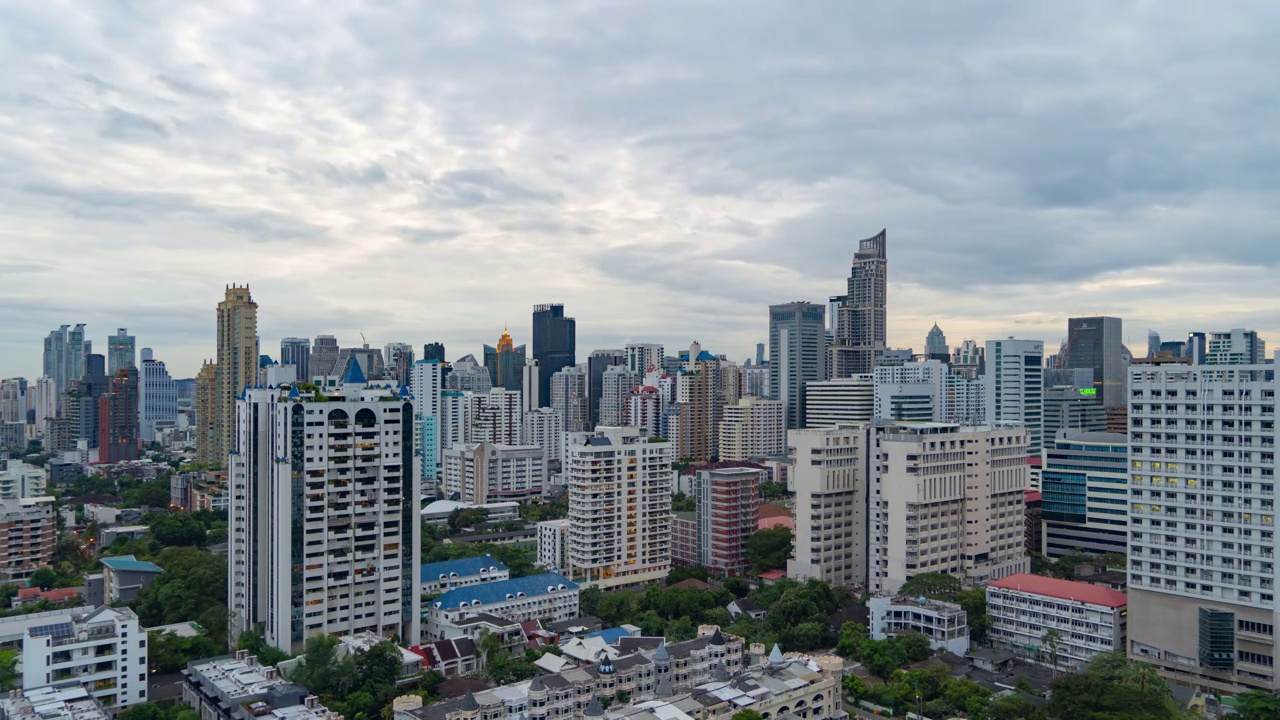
{"type": "Point", "coordinates": [430, 171]}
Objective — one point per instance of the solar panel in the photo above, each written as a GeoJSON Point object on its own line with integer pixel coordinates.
{"type": "Point", "coordinates": [60, 630]}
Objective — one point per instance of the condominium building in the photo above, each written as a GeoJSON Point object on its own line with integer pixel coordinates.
{"type": "Point", "coordinates": [1235, 347]}
{"type": "Point", "coordinates": [1059, 623]}
{"type": "Point", "coordinates": [238, 687]}
{"type": "Point", "coordinates": [104, 650]}
{"type": "Point", "coordinates": [945, 624]}
{"type": "Point", "coordinates": [840, 401]}
{"type": "Point", "coordinates": [797, 354]}
{"type": "Point", "coordinates": [157, 400]}
{"type": "Point", "coordinates": [206, 407]}
{"type": "Point", "coordinates": [467, 375]}
{"type": "Point", "coordinates": [599, 362]}
{"type": "Point", "coordinates": [569, 397]}
{"type": "Point", "coordinates": [121, 351]}
{"type": "Point", "coordinates": [948, 499]}
{"type": "Point", "coordinates": [324, 358]}
{"type": "Point", "coordinates": [348, 560]}
{"type": "Point", "coordinates": [19, 480]}
{"type": "Point", "coordinates": [619, 507]}
{"type": "Point", "coordinates": [553, 544]}
{"type": "Point", "coordinates": [860, 327]}
{"type": "Point", "coordinates": [426, 379]}
{"type": "Point", "coordinates": [728, 502]}
{"type": "Point", "coordinates": [753, 427]}
{"type": "Point", "coordinates": [698, 400]}
{"type": "Point", "coordinates": [927, 391]}
{"type": "Point", "coordinates": [28, 534]}
{"type": "Point", "coordinates": [544, 427]}
{"type": "Point", "coordinates": [833, 472]}
{"type": "Point", "coordinates": [118, 418]}
{"type": "Point", "coordinates": [644, 409]}
{"type": "Point", "coordinates": [481, 473]}
{"type": "Point", "coordinates": [641, 358]}
{"type": "Point", "coordinates": [549, 596]}
{"type": "Point", "coordinates": [495, 417]}
{"type": "Point", "coordinates": [296, 351]}
{"type": "Point", "coordinates": [1085, 493]}
{"type": "Point", "coordinates": [1202, 523]}
{"type": "Point", "coordinates": [1015, 387]}
{"type": "Point", "coordinates": [616, 385]}
{"type": "Point", "coordinates": [237, 366]}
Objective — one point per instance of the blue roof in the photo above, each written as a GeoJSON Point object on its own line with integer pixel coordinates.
{"type": "Point", "coordinates": [704, 355]}
{"type": "Point", "coordinates": [496, 592]}
{"type": "Point", "coordinates": [130, 563]}
{"type": "Point", "coordinates": [293, 392]}
{"type": "Point", "coordinates": [354, 374]}
{"type": "Point", "coordinates": [610, 635]}
{"type": "Point", "coordinates": [463, 568]}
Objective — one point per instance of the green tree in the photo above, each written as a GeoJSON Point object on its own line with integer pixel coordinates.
{"type": "Point", "coordinates": [193, 581]}
{"type": "Point", "coordinates": [747, 715]}
{"type": "Point", "coordinates": [852, 635]}
{"type": "Point", "coordinates": [930, 584]}
{"type": "Point", "coordinates": [854, 688]}
{"type": "Point", "coordinates": [9, 679]}
{"type": "Point", "coordinates": [770, 490]}
{"type": "Point", "coordinates": [1256, 705]}
{"type": "Point", "coordinates": [682, 573]}
{"type": "Point", "coordinates": [683, 503]}
{"type": "Point", "coordinates": [769, 549]}
{"type": "Point", "coordinates": [974, 603]}
{"type": "Point", "coordinates": [1052, 639]}
{"type": "Point", "coordinates": [169, 653]}
{"type": "Point", "coordinates": [46, 578]}
{"type": "Point", "coordinates": [882, 657]}
{"type": "Point", "coordinates": [589, 601]}
{"type": "Point", "coordinates": [178, 530]}
{"type": "Point", "coordinates": [153, 493]}
{"type": "Point", "coordinates": [914, 645]}
{"type": "Point", "coordinates": [738, 586]}
{"type": "Point", "coordinates": [1089, 697]}
{"type": "Point", "coordinates": [1015, 707]}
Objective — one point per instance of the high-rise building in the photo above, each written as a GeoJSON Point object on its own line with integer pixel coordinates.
{"type": "Point", "coordinates": [927, 391]}
{"type": "Point", "coordinates": [1015, 387]}
{"type": "Point", "coordinates": [641, 357]}
{"type": "Point", "coordinates": [699, 407]}
{"type": "Point", "coordinates": [619, 507]}
{"type": "Point", "coordinates": [554, 344]}
{"type": "Point", "coordinates": [531, 385]}
{"type": "Point", "coordinates": [64, 353]}
{"type": "Point", "coordinates": [372, 364]}
{"type": "Point", "coordinates": [324, 357]}
{"type": "Point", "coordinates": [797, 354]}
{"type": "Point", "coordinates": [505, 363]}
{"type": "Point", "coordinates": [753, 428]}
{"type": "Point", "coordinates": [832, 478]}
{"type": "Point", "coordinates": [428, 407]}
{"type": "Point", "coordinates": [481, 473]}
{"type": "Point", "coordinates": [1085, 493]}
{"type": "Point", "coordinates": [13, 400]}
{"type": "Point", "coordinates": [1072, 408]}
{"type": "Point", "coordinates": [569, 397]}
{"type": "Point", "coordinates": [860, 315]}
{"type": "Point", "coordinates": [841, 401]}
{"type": "Point", "coordinates": [42, 399]}
{"type": "Point", "coordinates": [157, 400]}
{"type": "Point", "coordinates": [324, 531]}
{"type": "Point", "coordinates": [597, 362]}
{"type": "Point", "coordinates": [755, 381]}
{"type": "Point", "coordinates": [969, 360]}
{"type": "Point", "coordinates": [469, 376]}
{"type": "Point", "coordinates": [1196, 347]}
{"type": "Point", "coordinates": [496, 417]}
{"type": "Point", "coordinates": [28, 535]}
{"type": "Point", "coordinates": [935, 344]}
{"type": "Point", "coordinates": [296, 351]}
{"type": "Point", "coordinates": [1097, 343]}
{"type": "Point", "coordinates": [544, 427]}
{"type": "Point", "coordinates": [1235, 347]}
{"type": "Point", "coordinates": [118, 418]}
{"type": "Point", "coordinates": [399, 362]}
{"type": "Point", "coordinates": [616, 385]}
{"type": "Point", "coordinates": [237, 364]}
{"type": "Point", "coordinates": [645, 409]}
{"type": "Point", "coordinates": [121, 351]}
{"type": "Point", "coordinates": [1153, 343]}
{"type": "Point", "coordinates": [1202, 523]}
{"type": "Point", "coordinates": [206, 407]}
{"type": "Point", "coordinates": [728, 502]}
{"type": "Point", "coordinates": [731, 383]}
{"type": "Point", "coordinates": [433, 351]}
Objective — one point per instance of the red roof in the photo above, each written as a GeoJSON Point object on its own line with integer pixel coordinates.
{"type": "Point", "coordinates": [771, 510]}
{"type": "Point", "coordinates": [1031, 496]}
{"type": "Point", "coordinates": [772, 575]}
{"type": "Point", "coordinates": [61, 594]}
{"type": "Point", "coordinates": [28, 593]}
{"type": "Point", "coordinates": [1063, 589]}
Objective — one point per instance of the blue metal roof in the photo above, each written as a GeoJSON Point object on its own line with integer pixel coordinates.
{"type": "Point", "coordinates": [130, 563]}
{"type": "Point", "coordinates": [610, 635]}
{"type": "Point", "coordinates": [461, 568]}
{"type": "Point", "coordinates": [355, 375]}
{"type": "Point", "coordinates": [704, 355]}
{"type": "Point", "coordinates": [492, 593]}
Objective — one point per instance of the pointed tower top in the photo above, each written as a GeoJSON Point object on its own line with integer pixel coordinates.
{"type": "Point", "coordinates": [354, 375]}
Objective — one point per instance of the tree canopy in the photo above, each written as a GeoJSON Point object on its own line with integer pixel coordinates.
{"type": "Point", "coordinates": [193, 586]}
{"type": "Point", "coordinates": [769, 549]}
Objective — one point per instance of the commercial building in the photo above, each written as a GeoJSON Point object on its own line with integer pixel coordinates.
{"type": "Point", "coordinates": [1027, 611]}
{"type": "Point", "coordinates": [797, 354]}
{"type": "Point", "coordinates": [833, 473]}
{"type": "Point", "coordinates": [534, 597]}
{"type": "Point", "coordinates": [554, 345]}
{"type": "Point", "coordinates": [399, 362]}
{"type": "Point", "coordinates": [104, 650]}
{"type": "Point", "coordinates": [839, 401]}
{"type": "Point", "coordinates": [505, 363]}
{"type": "Point", "coordinates": [238, 687]}
{"type": "Point", "coordinates": [728, 502]}
{"type": "Point", "coordinates": [296, 351]}
{"type": "Point", "coordinates": [28, 534]}
{"type": "Point", "coordinates": [480, 473]}
{"type": "Point", "coordinates": [121, 351]}
{"type": "Point", "coordinates": [553, 544]}
{"type": "Point", "coordinates": [935, 345]}
{"type": "Point", "coordinates": [433, 351]}
{"type": "Point", "coordinates": [1015, 387]}
{"type": "Point", "coordinates": [1085, 493]}
{"type": "Point", "coordinates": [1097, 343]}
{"type": "Point", "coordinates": [426, 381]}
{"type": "Point", "coordinates": [569, 398]}
{"type": "Point", "coordinates": [753, 427]}
{"type": "Point", "coordinates": [927, 391]}
{"type": "Point", "coordinates": [945, 624]}
{"type": "Point", "coordinates": [237, 366]}
{"type": "Point", "coordinates": [324, 358]}
{"type": "Point", "coordinates": [1072, 408]}
{"type": "Point", "coordinates": [598, 362]}
{"type": "Point", "coordinates": [1235, 347]}
{"type": "Point", "coordinates": [64, 353]}
{"type": "Point", "coordinates": [324, 529]}
{"type": "Point", "coordinates": [118, 418]}
{"type": "Point", "coordinates": [860, 314]}
{"type": "Point", "coordinates": [1202, 523]}
{"type": "Point", "coordinates": [157, 400]}
{"type": "Point", "coordinates": [619, 507]}
{"type": "Point", "coordinates": [441, 577]}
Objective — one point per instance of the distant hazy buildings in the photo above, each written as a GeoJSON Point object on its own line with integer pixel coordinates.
{"type": "Point", "coordinates": [206, 407]}
{"type": "Point", "coordinates": [433, 351]}
{"type": "Point", "coordinates": [157, 400]}
{"type": "Point", "coordinates": [296, 351]}
{"type": "Point", "coordinates": [797, 354]}
{"type": "Point", "coordinates": [505, 363]}
{"type": "Point", "coordinates": [237, 366]}
{"type": "Point", "coordinates": [121, 351]}
{"type": "Point", "coordinates": [468, 375]}
{"type": "Point", "coordinates": [861, 313]}
{"type": "Point", "coordinates": [598, 362]}
{"type": "Point", "coordinates": [554, 344]}
{"type": "Point", "coordinates": [64, 353]}
{"type": "Point", "coordinates": [642, 357]}
{"type": "Point", "coordinates": [398, 357]}
{"type": "Point", "coordinates": [935, 344]}
{"type": "Point", "coordinates": [324, 357]}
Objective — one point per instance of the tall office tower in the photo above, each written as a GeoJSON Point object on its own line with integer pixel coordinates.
{"type": "Point", "coordinates": [505, 363]}
{"type": "Point", "coordinates": [1015, 387]}
{"type": "Point", "coordinates": [698, 400]}
{"type": "Point", "coordinates": [832, 478]}
{"type": "Point", "coordinates": [1085, 488]}
{"type": "Point", "coordinates": [1202, 523]}
{"type": "Point", "coordinates": [237, 364]}
{"type": "Point", "coordinates": [950, 500]}
{"type": "Point", "coordinates": [206, 407]}
{"type": "Point", "coordinates": [927, 391]}
{"type": "Point", "coordinates": [597, 362]}
{"type": "Point", "coordinates": [121, 351]}
{"type": "Point", "coordinates": [118, 418]}
{"type": "Point", "coordinates": [842, 401]}
{"type": "Point", "coordinates": [616, 385]}
{"type": "Point", "coordinates": [324, 357]}
{"type": "Point", "coordinates": [797, 354]}
{"type": "Point", "coordinates": [64, 353]}
{"type": "Point", "coordinates": [728, 513]}
{"type": "Point", "coordinates": [860, 317]}
{"type": "Point", "coordinates": [433, 351]}
{"type": "Point", "coordinates": [643, 356]}
{"type": "Point", "coordinates": [544, 427]}
{"type": "Point", "coordinates": [497, 417]}
{"type": "Point", "coordinates": [43, 401]}
{"type": "Point", "coordinates": [296, 351]}
{"type": "Point", "coordinates": [619, 507]}
{"type": "Point", "coordinates": [1096, 343]}
{"type": "Point", "coordinates": [569, 397]}
{"type": "Point", "coordinates": [467, 375]}
{"type": "Point", "coordinates": [1153, 343]}
{"type": "Point", "coordinates": [1195, 347]}
{"type": "Point", "coordinates": [755, 381]}
{"type": "Point", "coordinates": [935, 345]}
{"type": "Point", "coordinates": [1072, 408]}
{"type": "Point", "coordinates": [480, 473]}
{"type": "Point", "coordinates": [1175, 348]}
{"type": "Point", "coordinates": [324, 531]}
{"type": "Point", "coordinates": [157, 400]}
{"type": "Point", "coordinates": [760, 354]}
{"type": "Point", "coordinates": [1235, 347]}
{"type": "Point", "coordinates": [428, 408]}
{"type": "Point", "coordinates": [753, 428]}
{"type": "Point", "coordinates": [399, 359]}
{"type": "Point", "coordinates": [530, 385]}
{"type": "Point", "coordinates": [554, 345]}
{"type": "Point", "coordinates": [79, 405]}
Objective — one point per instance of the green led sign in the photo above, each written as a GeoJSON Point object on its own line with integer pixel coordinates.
{"type": "Point", "coordinates": [1088, 391]}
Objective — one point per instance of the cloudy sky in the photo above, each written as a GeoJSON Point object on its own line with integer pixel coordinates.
{"type": "Point", "coordinates": [430, 170]}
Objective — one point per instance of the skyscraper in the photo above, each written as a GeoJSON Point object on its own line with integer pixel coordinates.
{"type": "Point", "coordinates": [206, 406]}
{"type": "Point", "coordinates": [1015, 387]}
{"type": "Point", "coordinates": [237, 363]}
{"type": "Point", "coordinates": [324, 356]}
{"type": "Point", "coordinates": [296, 351]}
{"type": "Point", "coordinates": [64, 351]}
{"type": "Point", "coordinates": [935, 344]}
{"type": "Point", "coordinates": [157, 400]}
{"type": "Point", "coordinates": [698, 399]}
{"type": "Point", "coordinates": [120, 351]}
{"type": "Point", "coordinates": [860, 317]}
{"type": "Point", "coordinates": [118, 418]}
{"type": "Point", "coordinates": [797, 354]}
{"type": "Point", "coordinates": [569, 397]}
{"type": "Point", "coordinates": [597, 362]}
{"type": "Point", "coordinates": [1153, 343]}
{"type": "Point", "coordinates": [426, 385]}
{"type": "Point", "coordinates": [433, 351]}
{"type": "Point", "coordinates": [1095, 343]}
{"type": "Point", "coordinates": [643, 356]}
{"type": "Point", "coordinates": [554, 344]}
{"type": "Point", "coordinates": [505, 363]}
{"type": "Point", "coordinates": [1235, 347]}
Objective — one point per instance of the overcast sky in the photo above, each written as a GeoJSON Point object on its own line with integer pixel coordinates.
{"type": "Point", "coordinates": [429, 170]}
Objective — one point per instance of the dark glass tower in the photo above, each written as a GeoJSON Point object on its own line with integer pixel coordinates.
{"type": "Point", "coordinates": [433, 351]}
{"type": "Point", "coordinates": [1094, 343]}
{"type": "Point", "coordinates": [296, 351]}
{"type": "Point", "coordinates": [554, 345]}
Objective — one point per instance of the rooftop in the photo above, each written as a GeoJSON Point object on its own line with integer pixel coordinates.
{"type": "Point", "coordinates": [1062, 589]}
{"type": "Point", "coordinates": [72, 702]}
{"type": "Point", "coordinates": [504, 590]}
{"type": "Point", "coordinates": [461, 568]}
{"type": "Point", "coordinates": [128, 563]}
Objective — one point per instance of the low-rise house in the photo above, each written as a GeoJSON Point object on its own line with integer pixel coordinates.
{"type": "Point", "coordinates": [441, 577]}
{"type": "Point", "coordinates": [32, 595]}
{"type": "Point", "coordinates": [362, 642]}
{"type": "Point", "coordinates": [748, 607]}
{"type": "Point", "coordinates": [1056, 622]}
{"type": "Point", "coordinates": [108, 536]}
{"type": "Point", "coordinates": [124, 576]}
{"type": "Point", "coordinates": [945, 624]}
{"type": "Point", "coordinates": [549, 596]}
{"type": "Point", "coordinates": [455, 657]}
{"type": "Point", "coordinates": [105, 650]}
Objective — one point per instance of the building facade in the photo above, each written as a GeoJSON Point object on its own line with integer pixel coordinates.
{"type": "Point", "coordinates": [616, 385]}
{"type": "Point", "coordinates": [945, 624]}
{"type": "Point", "coordinates": [481, 473]}
{"type": "Point", "coordinates": [1096, 343]}
{"type": "Point", "coordinates": [728, 502]}
{"type": "Point", "coordinates": [544, 427]}
{"type": "Point", "coordinates": [121, 351]}
{"type": "Point", "coordinates": [1015, 387]}
{"type": "Point", "coordinates": [553, 544]}
{"type": "Point", "coordinates": [441, 577]}
{"type": "Point", "coordinates": [753, 428]}
{"type": "Point", "coordinates": [548, 596]}
{"type": "Point", "coordinates": [598, 362]}
{"type": "Point", "coordinates": [797, 354]}
{"type": "Point", "coordinates": [206, 408]}
{"type": "Point", "coordinates": [104, 650]}
{"type": "Point", "coordinates": [64, 353]}
{"type": "Point", "coordinates": [554, 345]}
{"type": "Point", "coordinates": [157, 400]}
{"type": "Point", "coordinates": [860, 321]}
{"type": "Point", "coordinates": [296, 351]}
{"type": "Point", "coordinates": [1085, 493]}
{"type": "Point", "coordinates": [569, 398]}
{"type": "Point", "coordinates": [1235, 347]}
{"type": "Point", "coordinates": [118, 418]}
{"type": "Point", "coordinates": [237, 366]}
{"type": "Point", "coordinates": [641, 358]}
{"type": "Point", "coordinates": [833, 473]}
{"type": "Point", "coordinates": [324, 357]}
{"type": "Point", "coordinates": [505, 363]}
{"type": "Point", "coordinates": [238, 687]}
{"type": "Point", "coordinates": [699, 406]}
{"type": "Point", "coordinates": [1088, 620]}
{"type": "Point", "coordinates": [28, 535]}
{"type": "Point", "coordinates": [840, 401]}
{"type": "Point", "coordinates": [1072, 408]}
{"type": "Point", "coordinates": [426, 381]}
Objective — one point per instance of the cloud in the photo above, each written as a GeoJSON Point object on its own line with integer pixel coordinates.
{"type": "Point", "coordinates": [123, 125]}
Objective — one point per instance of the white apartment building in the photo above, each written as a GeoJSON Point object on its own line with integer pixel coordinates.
{"type": "Point", "coordinates": [643, 357]}
{"type": "Point", "coordinates": [70, 702]}
{"type": "Point", "coordinates": [1088, 619]}
{"type": "Point", "coordinates": [480, 473]}
{"type": "Point", "coordinates": [426, 384]}
{"type": "Point", "coordinates": [945, 624]}
{"type": "Point", "coordinates": [1235, 347]}
{"type": "Point", "coordinates": [644, 410]}
{"type": "Point", "coordinates": [616, 384]}
{"type": "Point", "coordinates": [841, 401]}
{"type": "Point", "coordinates": [347, 560]}
{"type": "Point", "coordinates": [157, 400]}
{"type": "Point", "coordinates": [238, 687]}
{"type": "Point", "coordinates": [619, 507]}
{"type": "Point", "coordinates": [948, 499]}
{"type": "Point", "coordinates": [553, 544]}
{"type": "Point", "coordinates": [1202, 523]}
{"type": "Point", "coordinates": [549, 596]}
{"type": "Point", "coordinates": [544, 427]}
{"type": "Point", "coordinates": [569, 397]}
{"type": "Point", "coordinates": [753, 427]}
{"type": "Point", "coordinates": [28, 534]}
{"type": "Point", "coordinates": [20, 480]}
{"type": "Point", "coordinates": [105, 650]}
{"type": "Point", "coordinates": [496, 417]}
{"type": "Point", "coordinates": [455, 417]}
{"type": "Point", "coordinates": [833, 472]}
{"type": "Point", "coordinates": [1015, 387]}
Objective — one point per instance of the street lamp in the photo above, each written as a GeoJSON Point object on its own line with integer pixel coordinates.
{"type": "Point", "coordinates": [919, 714]}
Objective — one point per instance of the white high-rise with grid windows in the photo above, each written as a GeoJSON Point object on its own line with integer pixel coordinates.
{"type": "Point", "coordinates": [1202, 523]}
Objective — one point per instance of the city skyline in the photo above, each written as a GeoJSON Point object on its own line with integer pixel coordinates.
{"type": "Point", "coordinates": [458, 151]}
